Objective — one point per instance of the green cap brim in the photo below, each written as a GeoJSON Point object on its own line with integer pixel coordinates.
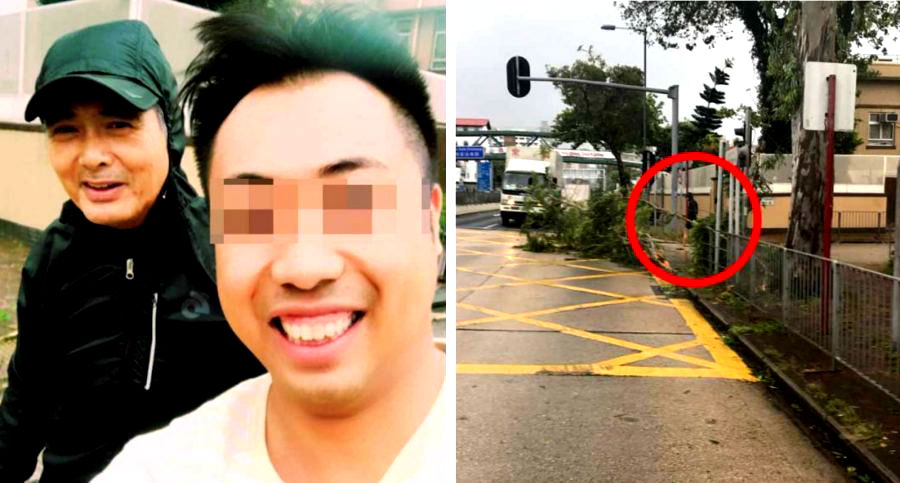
{"type": "Point", "coordinates": [130, 91]}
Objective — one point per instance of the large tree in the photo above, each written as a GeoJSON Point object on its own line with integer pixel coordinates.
{"type": "Point", "coordinates": [816, 41]}
{"type": "Point", "coordinates": [785, 35]}
{"type": "Point", "coordinates": [604, 117]}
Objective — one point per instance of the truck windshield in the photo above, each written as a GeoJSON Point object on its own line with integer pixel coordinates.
{"type": "Point", "coordinates": [522, 181]}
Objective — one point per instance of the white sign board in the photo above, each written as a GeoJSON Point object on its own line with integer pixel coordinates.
{"type": "Point", "coordinates": [815, 95]}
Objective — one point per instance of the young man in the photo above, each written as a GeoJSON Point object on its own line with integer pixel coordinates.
{"type": "Point", "coordinates": [315, 142]}
{"type": "Point", "coordinates": [120, 328]}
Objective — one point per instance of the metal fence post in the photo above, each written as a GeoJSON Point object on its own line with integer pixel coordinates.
{"type": "Point", "coordinates": [835, 320]}
{"type": "Point", "coordinates": [895, 313]}
{"type": "Point", "coordinates": [785, 285]}
{"type": "Point", "coordinates": [752, 288]}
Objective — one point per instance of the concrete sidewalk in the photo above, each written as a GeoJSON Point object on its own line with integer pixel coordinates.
{"type": "Point", "coordinates": [582, 370]}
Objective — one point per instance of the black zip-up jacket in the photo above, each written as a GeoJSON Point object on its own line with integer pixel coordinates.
{"type": "Point", "coordinates": [120, 331]}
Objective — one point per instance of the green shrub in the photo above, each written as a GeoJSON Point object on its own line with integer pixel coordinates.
{"type": "Point", "coordinates": [643, 216]}
{"type": "Point", "coordinates": [700, 240]}
{"type": "Point", "coordinates": [595, 230]}
{"type": "Point", "coordinates": [605, 235]}
{"type": "Point", "coordinates": [550, 221]}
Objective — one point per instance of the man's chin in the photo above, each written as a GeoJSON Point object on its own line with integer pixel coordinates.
{"type": "Point", "coordinates": [321, 395]}
{"type": "Point", "coordinates": [111, 218]}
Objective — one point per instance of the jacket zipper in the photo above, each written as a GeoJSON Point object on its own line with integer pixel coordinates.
{"type": "Point", "coordinates": [152, 344]}
{"type": "Point", "coordinates": [129, 269]}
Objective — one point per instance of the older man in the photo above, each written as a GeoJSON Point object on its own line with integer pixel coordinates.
{"type": "Point", "coordinates": [315, 140]}
{"type": "Point", "coordinates": [120, 328]}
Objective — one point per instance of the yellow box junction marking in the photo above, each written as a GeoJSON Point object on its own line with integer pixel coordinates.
{"type": "Point", "coordinates": [725, 365]}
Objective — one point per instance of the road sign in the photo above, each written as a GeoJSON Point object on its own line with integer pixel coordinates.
{"type": "Point", "coordinates": [469, 152]}
{"type": "Point", "coordinates": [515, 68]}
{"type": "Point", "coordinates": [815, 95]}
{"type": "Point", "coordinates": [485, 173]}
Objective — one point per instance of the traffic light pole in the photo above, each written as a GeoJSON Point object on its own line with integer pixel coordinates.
{"type": "Point", "coordinates": [673, 224]}
{"type": "Point", "coordinates": [671, 92]}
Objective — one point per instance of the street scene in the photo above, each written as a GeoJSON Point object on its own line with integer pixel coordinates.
{"type": "Point", "coordinates": [676, 403]}
{"type": "Point", "coordinates": [731, 313]}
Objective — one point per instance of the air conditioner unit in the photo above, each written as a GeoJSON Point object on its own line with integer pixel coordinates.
{"type": "Point", "coordinates": [890, 117]}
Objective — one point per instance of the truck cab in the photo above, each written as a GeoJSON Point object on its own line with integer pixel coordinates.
{"type": "Point", "coordinates": [518, 177]}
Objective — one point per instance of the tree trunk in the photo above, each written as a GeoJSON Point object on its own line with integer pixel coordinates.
{"type": "Point", "coordinates": [624, 180]}
{"type": "Point", "coordinates": [816, 41]}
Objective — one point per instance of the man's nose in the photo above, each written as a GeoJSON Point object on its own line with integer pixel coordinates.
{"type": "Point", "coordinates": [307, 265]}
{"type": "Point", "coordinates": [95, 152]}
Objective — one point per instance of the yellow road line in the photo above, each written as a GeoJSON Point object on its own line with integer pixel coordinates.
{"type": "Point", "coordinates": [564, 329]}
{"type": "Point", "coordinates": [584, 369]}
{"type": "Point", "coordinates": [535, 260]}
{"type": "Point", "coordinates": [536, 313]}
{"type": "Point", "coordinates": [650, 299]}
{"type": "Point", "coordinates": [720, 352]}
{"type": "Point", "coordinates": [649, 354]}
{"type": "Point", "coordinates": [535, 282]}
{"type": "Point", "coordinates": [489, 242]}
{"type": "Point", "coordinates": [726, 363]}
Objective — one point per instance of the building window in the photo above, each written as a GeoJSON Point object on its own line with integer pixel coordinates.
{"type": "Point", "coordinates": [403, 27]}
{"type": "Point", "coordinates": [439, 52]}
{"type": "Point", "coordinates": [881, 128]}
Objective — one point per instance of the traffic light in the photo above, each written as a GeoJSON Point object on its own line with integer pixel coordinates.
{"type": "Point", "coordinates": [746, 135]}
{"type": "Point", "coordinates": [515, 68]}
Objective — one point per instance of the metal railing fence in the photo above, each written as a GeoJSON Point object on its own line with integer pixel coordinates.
{"type": "Point", "coordinates": [844, 310]}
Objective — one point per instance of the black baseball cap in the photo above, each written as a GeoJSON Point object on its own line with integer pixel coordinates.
{"type": "Point", "coordinates": [122, 56]}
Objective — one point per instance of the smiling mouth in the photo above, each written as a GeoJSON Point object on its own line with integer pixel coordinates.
{"type": "Point", "coordinates": [101, 186]}
{"type": "Point", "coordinates": [318, 330]}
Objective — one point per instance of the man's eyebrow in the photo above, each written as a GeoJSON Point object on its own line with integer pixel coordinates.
{"type": "Point", "coordinates": [248, 178]}
{"type": "Point", "coordinates": [344, 166]}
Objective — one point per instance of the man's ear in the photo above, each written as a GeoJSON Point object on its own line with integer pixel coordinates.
{"type": "Point", "coordinates": [435, 205]}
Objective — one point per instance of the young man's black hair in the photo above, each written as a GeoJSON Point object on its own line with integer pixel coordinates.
{"type": "Point", "coordinates": [245, 51]}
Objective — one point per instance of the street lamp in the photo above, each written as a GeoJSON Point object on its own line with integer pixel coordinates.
{"type": "Point", "coordinates": [644, 104]}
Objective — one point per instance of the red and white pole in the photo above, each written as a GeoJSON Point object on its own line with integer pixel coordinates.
{"type": "Point", "coordinates": [829, 169]}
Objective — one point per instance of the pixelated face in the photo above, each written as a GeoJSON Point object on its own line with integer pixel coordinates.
{"type": "Point", "coordinates": [326, 239]}
{"type": "Point", "coordinates": [112, 160]}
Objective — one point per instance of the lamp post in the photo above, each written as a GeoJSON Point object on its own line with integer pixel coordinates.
{"type": "Point", "coordinates": [643, 104]}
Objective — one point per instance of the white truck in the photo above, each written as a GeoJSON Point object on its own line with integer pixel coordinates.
{"type": "Point", "coordinates": [519, 175]}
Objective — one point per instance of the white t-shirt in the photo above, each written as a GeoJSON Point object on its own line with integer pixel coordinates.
{"type": "Point", "coordinates": [224, 440]}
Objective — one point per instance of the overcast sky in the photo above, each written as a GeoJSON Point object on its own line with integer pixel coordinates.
{"type": "Point", "coordinates": [488, 33]}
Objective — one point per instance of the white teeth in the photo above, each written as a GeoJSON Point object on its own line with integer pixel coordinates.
{"type": "Point", "coordinates": [316, 332]}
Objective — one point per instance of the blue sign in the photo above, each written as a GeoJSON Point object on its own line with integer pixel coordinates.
{"type": "Point", "coordinates": [469, 152]}
{"type": "Point", "coordinates": [485, 176]}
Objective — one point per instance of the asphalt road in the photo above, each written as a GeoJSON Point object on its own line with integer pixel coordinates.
{"type": "Point", "coordinates": [582, 370]}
